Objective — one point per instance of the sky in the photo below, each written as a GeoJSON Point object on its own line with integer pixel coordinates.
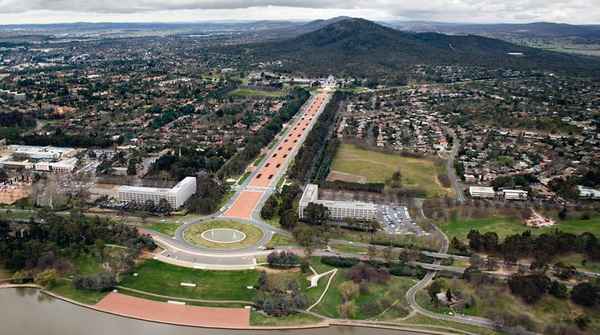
{"type": "Point", "coordinates": [472, 11]}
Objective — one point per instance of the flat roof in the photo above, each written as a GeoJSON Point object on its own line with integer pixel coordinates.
{"type": "Point", "coordinates": [481, 189]}
{"type": "Point", "coordinates": [347, 204]}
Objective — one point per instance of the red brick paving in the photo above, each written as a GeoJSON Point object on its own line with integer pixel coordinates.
{"type": "Point", "coordinates": [150, 310]}
{"type": "Point", "coordinates": [244, 205]}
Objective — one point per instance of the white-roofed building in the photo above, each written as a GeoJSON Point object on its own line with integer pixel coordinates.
{"type": "Point", "coordinates": [339, 210]}
{"type": "Point", "coordinates": [176, 196]}
{"type": "Point", "coordinates": [588, 193]}
{"type": "Point", "coordinates": [514, 194]}
{"type": "Point", "coordinates": [482, 192]}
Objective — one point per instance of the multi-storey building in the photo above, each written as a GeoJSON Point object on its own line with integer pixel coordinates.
{"type": "Point", "coordinates": [175, 196]}
{"type": "Point", "coordinates": [338, 210]}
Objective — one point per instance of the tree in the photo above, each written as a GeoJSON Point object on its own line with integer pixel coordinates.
{"type": "Point", "coordinates": [433, 289]}
{"type": "Point", "coordinates": [289, 219]}
{"type": "Point", "coordinates": [316, 214]}
{"type": "Point", "coordinates": [131, 167]}
{"type": "Point", "coordinates": [529, 287]}
{"type": "Point", "coordinates": [46, 278]}
{"type": "Point", "coordinates": [270, 208]}
{"type": "Point", "coordinates": [348, 290]}
{"type": "Point", "coordinates": [308, 237]}
{"type": "Point", "coordinates": [372, 252]}
{"type": "Point", "coordinates": [164, 207]}
{"type": "Point", "coordinates": [3, 175]}
{"type": "Point", "coordinates": [585, 294]}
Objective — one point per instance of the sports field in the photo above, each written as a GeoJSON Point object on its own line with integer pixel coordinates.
{"type": "Point", "coordinates": [377, 167]}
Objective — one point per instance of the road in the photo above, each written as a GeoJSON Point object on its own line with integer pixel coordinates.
{"type": "Point", "coordinates": [454, 181]}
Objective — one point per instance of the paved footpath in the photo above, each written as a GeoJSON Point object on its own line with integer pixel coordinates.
{"type": "Point", "coordinates": [124, 305]}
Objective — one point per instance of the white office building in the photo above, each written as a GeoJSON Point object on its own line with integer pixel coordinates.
{"type": "Point", "coordinates": [588, 193]}
{"type": "Point", "coordinates": [339, 210]}
{"type": "Point", "coordinates": [514, 194]}
{"type": "Point", "coordinates": [482, 192]}
{"type": "Point", "coordinates": [176, 196]}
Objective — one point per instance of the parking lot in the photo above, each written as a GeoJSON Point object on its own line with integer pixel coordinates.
{"type": "Point", "coordinates": [397, 220]}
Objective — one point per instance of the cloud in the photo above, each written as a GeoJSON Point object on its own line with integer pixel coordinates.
{"type": "Point", "coordinates": [573, 11]}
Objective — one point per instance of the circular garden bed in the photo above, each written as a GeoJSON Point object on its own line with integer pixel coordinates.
{"type": "Point", "coordinates": [222, 234]}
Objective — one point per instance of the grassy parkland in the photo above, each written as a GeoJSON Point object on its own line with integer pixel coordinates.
{"type": "Point", "coordinates": [354, 164]}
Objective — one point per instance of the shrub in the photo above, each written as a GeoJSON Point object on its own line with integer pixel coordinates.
{"type": "Point", "coordinates": [99, 282]}
{"type": "Point", "coordinates": [366, 273]}
{"type": "Point", "coordinates": [407, 271]}
{"type": "Point", "coordinates": [283, 259]}
{"type": "Point", "coordinates": [339, 262]}
{"type": "Point", "coordinates": [349, 290]}
{"type": "Point", "coordinates": [46, 278]}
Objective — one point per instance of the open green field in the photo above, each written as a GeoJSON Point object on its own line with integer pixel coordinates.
{"type": "Point", "coordinates": [167, 228]}
{"type": "Point", "coordinates": [248, 92]}
{"type": "Point", "coordinates": [504, 226]}
{"type": "Point", "coordinates": [279, 240]}
{"type": "Point", "coordinates": [64, 288]}
{"type": "Point", "coordinates": [368, 304]}
{"type": "Point", "coordinates": [165, 279]}
{"type": "Point", "coordinates": [378, 167]}
{"type": "Point", "coordinates": [193, 234]}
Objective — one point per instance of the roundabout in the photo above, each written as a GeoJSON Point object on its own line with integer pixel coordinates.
{"type": "Point", "coordinates": [222, 234]}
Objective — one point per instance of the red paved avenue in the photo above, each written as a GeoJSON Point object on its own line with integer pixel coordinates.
{"type": "Point", "coordinates": [244, 205]}
{"type": "Point", "coordinates": [143, 309]}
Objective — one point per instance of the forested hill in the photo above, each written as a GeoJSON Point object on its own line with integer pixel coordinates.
{"type": "Point", "coordinates": [361, 47]}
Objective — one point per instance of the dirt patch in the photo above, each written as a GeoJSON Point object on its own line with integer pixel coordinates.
{"type": "Point", "coordinates": [347, 177]}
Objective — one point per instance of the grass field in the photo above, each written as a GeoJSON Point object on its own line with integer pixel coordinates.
{"type": "Point", "coordinates": [248, 92]}
{"type": "Point", "coordinates": [167, 228]}
{"type": "Point", "coordinates": [165, 279]}
{"type": "Point", "coordinates": [504, 226]}
{"type": "Point", "coordinates": [378, 167]}
{"type": "Point", "coordinates": [279, 240]}
{"type": "Point", "coordinates": [193, 234]}
{"type": "Point", "coordinates": [64, 288]}
{"type": "Point", "coordinates": [367, 303]}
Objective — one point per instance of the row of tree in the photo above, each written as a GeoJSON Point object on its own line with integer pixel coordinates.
{"type": "Point", "coordinates": [313, 155]}
{"type": "Point", "coordinates": [542, 247]}
{"type": "Point", "coordinates": [254, 144]}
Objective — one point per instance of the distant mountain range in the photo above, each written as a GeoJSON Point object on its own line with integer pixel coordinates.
{"type": "Point", "coordinates": [536, 29]}
{"type": "Point", "coordinates": [361, 47]}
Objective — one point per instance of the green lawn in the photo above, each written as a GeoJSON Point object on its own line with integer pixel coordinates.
{"type": "Point", "coordinates": [504, 226]}
{"type": "Point", "coordinates": [64, 288]}
{"type": "Point", "coordinates": [86, 264]}
{"type": "Point", "coordinates": [165, 279]}
{"type": "Point", "coordinates": [248, 92]}
{"type": "Point", "coordinates": [167, 228]}
{"type": "Point", "coordinates": [367, 304]}
{"type": "Point", "coordinates": [279, 240]}
{"type": "Point", "coordinates": [378, 167]}
{"type": "Point", "coordinates": [193, 234]}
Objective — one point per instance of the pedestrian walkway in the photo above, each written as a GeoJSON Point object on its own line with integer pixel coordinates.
{"type": "Point", "coordinates": [180, 314]}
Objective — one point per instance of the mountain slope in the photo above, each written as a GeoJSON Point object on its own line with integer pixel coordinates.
{"type": "Point", "coordinates": [361, 47]}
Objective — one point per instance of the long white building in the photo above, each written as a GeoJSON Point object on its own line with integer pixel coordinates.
{"type": "Point", "coordinates": [482, 192]}
{"type": "Point", "coordinates": [338, 210]}
{"type": "Point", "coordinates": [176, 196]}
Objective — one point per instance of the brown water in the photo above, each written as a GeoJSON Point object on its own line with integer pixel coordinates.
{"type": "Point", "coordinates": [29, 312]}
